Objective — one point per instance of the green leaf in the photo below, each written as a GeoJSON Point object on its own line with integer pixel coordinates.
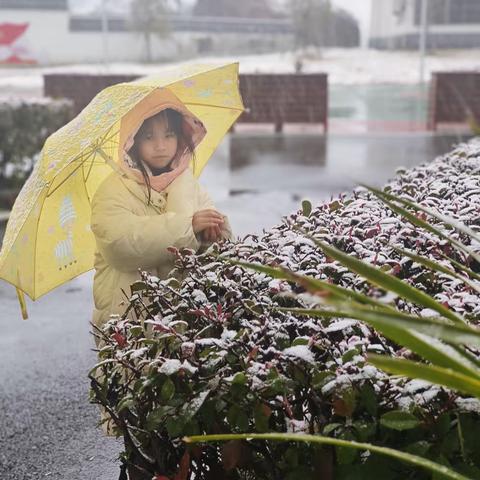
{"type": "Point", "coordinates": [334, 206]}
{"type": "Point", "coordinates": [138, 286]}
{"type": "Point", "coordinates": [180, 326]}
{"type": "Point", "coordinates": [101, 364]}
{"type": "Point", "coordinates": [306, 208]}
{"type": "Point", "coordinates": [330, 427]}
{"type": "Point", "coordinates": [296, 437]}
{"type": "Point", "coordinates": [346, 455]}
{"type": "Point", "coordinates": [320, 379]}
{"type": "Point", "coordinates": [174, 426]}
{"type": "Point", "coordinates": [300, 341]}
{"type": "Point", "coordinates": [442, 425]}
{"type": "Point", "coordinates": [240, 378]}
{"type": "Point", "coordinates": [430, 373]}
{"type": "Point", "coordinates": [368, 399]}
{"type": "Point", "coordinates": [261, 414]}
{"type": "Point", "coordinates": [126, 402]}
{"type": "Point", "coordinates": [365, 429]}
{"type": "Point", "coordinates": [136, 330]}
{"type": "Point", "coordinates": [399, 420]}
{"type": "Point", "coordinates": [237, 417]}
{"type": "Point", "coordinates": [419, 448]}
{"type": "Point", "coordinates": [349, 354]}
{"type": "Point", "coordinates": [157, 417]}
{"type": "Point", "coordinates": [168, 390]}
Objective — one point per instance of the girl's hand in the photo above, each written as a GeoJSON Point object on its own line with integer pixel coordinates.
{"type": "Point", "coordinates": [204, 219]}
{"type": "Point", "coordinates": [212, 234]}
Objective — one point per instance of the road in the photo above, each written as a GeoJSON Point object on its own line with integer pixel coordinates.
{"type": "Point", "coordinates": [47, 425]}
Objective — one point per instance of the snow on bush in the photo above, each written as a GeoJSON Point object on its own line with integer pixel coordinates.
{"type": "Point", "coordinates": [212, 354]}
{"type": "Point", "coordinates": [25, 124]}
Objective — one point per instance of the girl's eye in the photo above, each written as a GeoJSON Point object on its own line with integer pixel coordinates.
{"type": "Point", "coordinates": [170, 135]}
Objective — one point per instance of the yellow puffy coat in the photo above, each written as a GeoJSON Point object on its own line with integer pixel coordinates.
{"type": "Point", "coordinates": [132, 234]}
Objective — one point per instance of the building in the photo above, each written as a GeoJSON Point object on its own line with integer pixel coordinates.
{"type": "Point", "coordinates": [46, 33]}
{"type": "Point", "coordinates": [396, 24]}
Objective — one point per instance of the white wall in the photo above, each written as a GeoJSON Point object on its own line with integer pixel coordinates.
{"type": "Point", "coordinates": [385, 24]}
{"type": "Point", "coordinates": [49, 41]}
{"type": "Point", "coordinates": [46, 29]}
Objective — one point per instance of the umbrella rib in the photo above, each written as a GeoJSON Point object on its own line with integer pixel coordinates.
{"type": "Point", "coordinates": [65, 179]}
{"type": "Point", "coordinates": [214, 106]}
{"type": "Point", "coordinates": [81, 157]}
{"type": "Point", "coordinates": [85, 178]}
{"type": "Point", "coordinates": [35, 248]}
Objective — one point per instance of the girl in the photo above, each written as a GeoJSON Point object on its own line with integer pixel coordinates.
{"type": "Point", "coordinates": [151, 203]}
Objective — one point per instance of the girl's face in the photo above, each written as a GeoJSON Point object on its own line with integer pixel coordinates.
{"type": "Point", "coordinates": [157, 144]}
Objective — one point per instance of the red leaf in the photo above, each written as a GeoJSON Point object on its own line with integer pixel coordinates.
{"type": "Point", "coordinates": [173, 250]}
{"type": "Point", "coordinates": [184, 467]}
{"type": "Point", "coordinates": [253, 353]}
{"type": "Point", "coordinates": [287, 407]}
{"type": "Point", "coordinates": [197, 451]}
{"type": "Point", "coordinates": [231, 454]}
{"type": "Point", "coordinates": [397, 268]}
{"type": "Point", "coordinates": [160, 327]}
{"type": "Point", "coordinates": [120, 339]}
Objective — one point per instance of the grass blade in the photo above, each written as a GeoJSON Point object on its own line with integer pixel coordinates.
{"type": "Point", "coordinates": [431, 373]}
{"type": "Point", "coordinates": [296, 437]}
{"type": "Point", "coordinates": [461, 267]}
{"type": "Point", "coordinates": [386, 281]}
{"type": "Point", "coordinates": [312, 285]}
{"type": "Point", "coordinates": [437, 267]}
{"type": "Point", "coordinates": [429, 348]}
{"type": "Point", "coordinates": [388, 200]}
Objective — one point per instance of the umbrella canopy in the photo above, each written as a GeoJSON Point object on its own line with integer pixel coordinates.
{"type": "Point", "coordinates": [48, 239]}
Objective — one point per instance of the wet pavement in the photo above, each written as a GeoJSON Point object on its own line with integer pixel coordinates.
{"type": "Point", "coordinates": [378, 108]}
{"type": "Point", "coordinates": [272, 173]}
{"type": "Point", "coordinates": [47, 426]}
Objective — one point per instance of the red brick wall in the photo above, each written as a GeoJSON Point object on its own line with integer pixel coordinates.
{"type": "Point", "coordinates": [454, 96]}
{"type": "Point", "coordinates": [285, 98]}
{"type": "Point", "coordinates": [81, 88]}
{"type": "Point", "coordinates": [270, 98]}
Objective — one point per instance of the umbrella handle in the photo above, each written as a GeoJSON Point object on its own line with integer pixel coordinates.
{"type": "Point", "coordinates": [23, 305]}
{"type": "Point", "coordinates": [108, 160]}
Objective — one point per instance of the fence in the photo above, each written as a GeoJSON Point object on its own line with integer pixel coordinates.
{"type": "Point", "coordinates": [454, 98]}
{"type": "Point", "coordinates": [269, 98]}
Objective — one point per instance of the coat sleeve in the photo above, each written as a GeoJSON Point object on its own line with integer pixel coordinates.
{"type": "Point", "coordinates": [129, 241]}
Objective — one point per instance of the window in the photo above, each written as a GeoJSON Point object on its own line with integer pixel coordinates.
{"type": "Point", "coordinates": [442, 12]}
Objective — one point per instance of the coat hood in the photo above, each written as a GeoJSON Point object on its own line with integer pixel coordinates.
{"type": "Point", "coordinates": [158, 100]}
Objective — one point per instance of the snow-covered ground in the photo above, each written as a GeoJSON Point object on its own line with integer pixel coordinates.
{"type": "Point", "coordinates": [344, 66]}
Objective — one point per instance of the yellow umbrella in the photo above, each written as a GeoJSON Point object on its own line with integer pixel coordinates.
{"type": "Point", "coordinates": [48, 239]}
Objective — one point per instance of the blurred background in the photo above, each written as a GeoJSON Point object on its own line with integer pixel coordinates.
{"type": "Point", "coordinates": [337, 92]}
{"type": "Point", "coordinates": [378, 84]}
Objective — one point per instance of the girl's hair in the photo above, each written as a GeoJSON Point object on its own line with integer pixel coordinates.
{"type": "Point", "coordinates": [174, 121]}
